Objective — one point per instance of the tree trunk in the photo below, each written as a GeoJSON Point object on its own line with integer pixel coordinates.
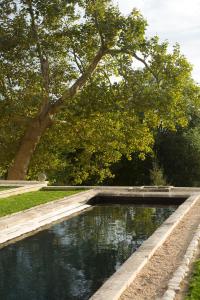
{"type": "Point", "coordinates": [31, 138]}
{"type": "Point", "coordinates": [37, 127]}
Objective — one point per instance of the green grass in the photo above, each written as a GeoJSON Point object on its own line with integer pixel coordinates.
{"type": "Point", "coordinates": [194, 287]}
{"type": "Point", "coordinates": [17, 203]}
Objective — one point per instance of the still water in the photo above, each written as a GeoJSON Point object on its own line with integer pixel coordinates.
{"type": "Point", "coordinates": [72, 259]}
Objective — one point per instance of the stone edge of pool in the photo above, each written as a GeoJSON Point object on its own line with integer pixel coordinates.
{"type": "Point", "coordinates": [20, 187]}
{"type": "Point", "coordinates": [115, 285]}
{"type": "Point", "coordinates": [22, 224]}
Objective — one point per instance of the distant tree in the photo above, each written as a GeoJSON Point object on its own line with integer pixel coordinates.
{"type": "Point", "coordinates": [179, 154]}
{"type": "Point", "coordinates": [57, 59]}
{"type": "Point", "coordinates": [157, 176]}
{"type": "Point", "coordinates": [132, 172]}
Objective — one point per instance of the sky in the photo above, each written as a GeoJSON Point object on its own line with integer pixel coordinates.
{"type": "Point", "coordinates": [172, 20]}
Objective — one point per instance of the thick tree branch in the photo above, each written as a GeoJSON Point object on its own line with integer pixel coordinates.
{"type": "Point", "coordinates": [9, 82]}
{"type": "Point", "coordinates": [79, 83]}
{"type": "Point", "coordinates": [21, 120]}
{"type": "Point", "coordinates": [44, 65]}
{"type": "Point", "coordinates": [98, 29]}
{"type": "Point", "coordinates": [84, 77]}
{"type": "Point", "coordinates": [96, 23]}
{"type": "Point", "coordinates": [108, 78]}
{"type": "Point", "coordinates": [77, 61]}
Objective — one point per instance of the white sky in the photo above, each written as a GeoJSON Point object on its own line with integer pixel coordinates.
{"type": "Point", "coordinates": [172, 20]}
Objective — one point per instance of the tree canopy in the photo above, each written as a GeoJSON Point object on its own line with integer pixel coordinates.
{"type": "Point", "coordinates": [81, 86]}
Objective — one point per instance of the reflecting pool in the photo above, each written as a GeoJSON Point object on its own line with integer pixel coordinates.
{"type": "Point", "coordinates": [72, 259]}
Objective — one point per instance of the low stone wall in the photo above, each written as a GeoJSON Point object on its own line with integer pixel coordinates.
{"type": "Point", "coordinates": [21, 224]}
{"type": "Point", "coordinates": [21, 187]}
{"type": "Point", "coordinates": [21, 182]}
{"type": "Point", "coordinates": [113, 288]}
{"type": "Point", "coordinates": [170, 190]}
{"type": "Point", "coordinates": [25, 223]}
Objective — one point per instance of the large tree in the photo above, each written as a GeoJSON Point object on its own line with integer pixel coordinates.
{"type": "Point", "coordinates": [57, 59]}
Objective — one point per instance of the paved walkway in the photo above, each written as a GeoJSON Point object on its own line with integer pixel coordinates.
{"type": "Point", "coordinates": [21, 223]}
{"type": "Point", "coordinates": [152, 282]}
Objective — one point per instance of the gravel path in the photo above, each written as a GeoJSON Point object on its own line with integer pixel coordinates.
{"type": "Point", "coordinates": [152, 282]}
{"type": "Point", "coordinates": [182, 293]}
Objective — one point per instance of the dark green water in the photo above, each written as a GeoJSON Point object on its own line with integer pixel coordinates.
{"type": "Point", "coordinates": [72, 259]}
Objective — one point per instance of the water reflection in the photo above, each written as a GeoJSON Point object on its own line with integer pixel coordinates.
{"type": "Point", "coordinates": [71, 260]}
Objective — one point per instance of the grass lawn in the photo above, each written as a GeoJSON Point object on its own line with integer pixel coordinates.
{"type": "Point", "coordinates": [17, 203]}
{"type": "Point", "coordinates": [194, 287]}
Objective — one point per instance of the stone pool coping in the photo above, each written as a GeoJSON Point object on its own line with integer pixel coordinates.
{"type": "Point", "coordinates": [20, 187]}
{"type": "Point", "coordinates": [114, 287]}
{"type": "Point", "coordinates": [22, 224]}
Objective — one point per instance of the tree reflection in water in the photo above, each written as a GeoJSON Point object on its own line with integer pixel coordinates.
{"type": "Point", "coordinates": [72, 259]}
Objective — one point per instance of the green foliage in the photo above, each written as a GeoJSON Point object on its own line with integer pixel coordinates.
{"type": "Point", "coordinates": [17, 203]}
{"type": "Point", "coordinates": [179, 154]}
{"type": "Point", "coordinates": [194, 288]}
{"type": "Point", "coordinates": [156, 175]}
{"type": "Point", "coordinates": [131, 172]}
{"type": "Point", "coordinates": [107, 120]}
